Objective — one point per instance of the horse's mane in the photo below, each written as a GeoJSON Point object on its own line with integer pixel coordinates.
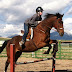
{"type": "Point", "coordinates": [51, 15]}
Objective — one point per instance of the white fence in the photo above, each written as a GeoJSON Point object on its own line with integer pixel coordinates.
{"type": "Point", "coordinates": [1, 42]}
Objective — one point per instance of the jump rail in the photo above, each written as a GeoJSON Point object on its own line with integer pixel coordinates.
{"type": "Point", "coordinates": [12, 60]}
{"type": "Point", "coordinates": [33, 61]}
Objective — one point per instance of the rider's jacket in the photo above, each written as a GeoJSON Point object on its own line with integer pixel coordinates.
{"type": "Point", "coordinates": [33, 21]}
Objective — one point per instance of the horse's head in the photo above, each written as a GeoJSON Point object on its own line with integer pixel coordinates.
{"type": "Point", "coordinates": [58, 24]}
{"type": "Point", "coordinates": [55, 20]}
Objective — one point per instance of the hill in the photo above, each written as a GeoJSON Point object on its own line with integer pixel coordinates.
{"type": "Point", "coordinates": [11, 36]}
{"type": "Point", "coordinates": [55, 36]}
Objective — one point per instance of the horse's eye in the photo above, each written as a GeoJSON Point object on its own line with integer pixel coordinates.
{"type": "Point", "coordinates": [59, 22]}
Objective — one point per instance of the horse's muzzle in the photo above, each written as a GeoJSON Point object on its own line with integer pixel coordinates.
{"type": "Point", "coordinates": [61, 33]}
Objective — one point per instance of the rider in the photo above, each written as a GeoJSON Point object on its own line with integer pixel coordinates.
{"type": "Point", "coordinates": [32, 22]}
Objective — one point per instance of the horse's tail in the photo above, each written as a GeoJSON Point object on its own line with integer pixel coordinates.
{"type": "Point", "coordinates": [3, 46]}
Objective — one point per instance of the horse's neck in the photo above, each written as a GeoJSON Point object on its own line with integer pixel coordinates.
{"type": "Point", "coordinates": [47, 24]}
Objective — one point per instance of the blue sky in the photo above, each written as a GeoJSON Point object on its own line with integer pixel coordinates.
{"type": "Point", "coordinates": [14, 12]}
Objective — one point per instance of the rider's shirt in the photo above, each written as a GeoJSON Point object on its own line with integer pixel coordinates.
{"type": "Point", "coordinates": [33, 20]}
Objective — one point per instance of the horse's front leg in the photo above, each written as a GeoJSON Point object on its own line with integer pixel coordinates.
{"type": "Point", "coordinates": [55, 45]}
{"type": "Point", "coordinates": [47, 52]}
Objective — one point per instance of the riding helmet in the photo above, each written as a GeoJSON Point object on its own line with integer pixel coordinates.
{"type": "Point", "coordinates": [39, 9]}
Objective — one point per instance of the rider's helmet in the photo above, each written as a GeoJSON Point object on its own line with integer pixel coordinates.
{"type": "Point", "coordinates": [39, 9]}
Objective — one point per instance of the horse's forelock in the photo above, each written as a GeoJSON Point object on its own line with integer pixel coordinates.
{"type": "Point", "coordinates": [58, 15]}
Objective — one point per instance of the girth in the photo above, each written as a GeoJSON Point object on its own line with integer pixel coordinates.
{"type": "Point", "coordinates": [32, 42]}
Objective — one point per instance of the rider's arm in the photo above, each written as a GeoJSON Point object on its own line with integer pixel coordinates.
{"type": "Point", "coordinates": [32, 20]}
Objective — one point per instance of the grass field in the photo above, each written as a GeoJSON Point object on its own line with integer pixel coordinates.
{"type": "Point", "coordinates": [3, 39]}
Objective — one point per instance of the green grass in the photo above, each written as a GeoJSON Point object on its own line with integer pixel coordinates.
{"type": "Point", "coordinates": [2, 39]}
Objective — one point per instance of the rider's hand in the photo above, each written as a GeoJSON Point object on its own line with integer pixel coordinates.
{"type": "Point", "coordinates": [39, 21]}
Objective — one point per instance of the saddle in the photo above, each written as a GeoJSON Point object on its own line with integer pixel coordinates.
{"type": "Point", "coordinates": [30, 34]}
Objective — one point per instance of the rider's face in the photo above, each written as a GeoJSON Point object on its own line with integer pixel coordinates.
{"type": "Point", "coordinates": [40, 13]}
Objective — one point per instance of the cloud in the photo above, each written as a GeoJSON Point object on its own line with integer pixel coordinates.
{"type": "Point", "coordinates": [68, 21]}
{"type": "Point", "coordinates": [68, 25]}
{"type": "Point", "coordinates": [70, 11]}
{"type": "Point", "coordinates": [10, 29]}
{"type": "Point", "coordinates": [55, 6]}
{"type": "Point", "coordinates": [15, 12]}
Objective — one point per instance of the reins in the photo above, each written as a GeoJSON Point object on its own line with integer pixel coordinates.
{"type": "Point", "coordinates": [50, 28]}
{"type": "Point", "coordinates": [42, 29]}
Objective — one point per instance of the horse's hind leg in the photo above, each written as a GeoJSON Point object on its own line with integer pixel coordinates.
{"type": "Point", "coordinates": [47, 52]}
{"type": "Point", "coordinates": [6, 64]}
{"type": "Point", "coordinates": [17, 55]}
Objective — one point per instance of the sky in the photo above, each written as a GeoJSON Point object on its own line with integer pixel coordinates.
{"type": "Point", "coordinates": [13, 13]}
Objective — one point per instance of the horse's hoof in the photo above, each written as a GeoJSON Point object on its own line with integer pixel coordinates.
{"type": "Point", "coordinates": [46, 52]}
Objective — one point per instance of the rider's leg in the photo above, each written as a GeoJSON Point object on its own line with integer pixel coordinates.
{"type": "Point", "coordinates": [25, 35]}
{"type": "Point", "coordinates": [25, 32]}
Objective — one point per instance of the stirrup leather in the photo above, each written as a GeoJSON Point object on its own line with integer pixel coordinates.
{"type": "Point", "coordinates": [31, 35]}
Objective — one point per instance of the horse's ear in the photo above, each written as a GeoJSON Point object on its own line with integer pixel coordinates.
{"type": "Point", "coordinates": [59, 15]}
{"type": "Point", "coordinates": [62, 15]}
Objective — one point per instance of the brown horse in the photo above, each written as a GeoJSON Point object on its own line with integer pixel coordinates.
{"type": "Point", "coordinates": [41, 38]}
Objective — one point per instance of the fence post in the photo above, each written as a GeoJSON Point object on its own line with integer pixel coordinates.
{"type": "Point", "coordinates": [53, 62]}
{"type": "Point", "coordinates": [12, 58]}
{"type": "Point", "coordinates": [59, 49]}
{"type": "Point", "coordinates": [35, 54]}
{"type": "Point", "coordinates": [32, 54]}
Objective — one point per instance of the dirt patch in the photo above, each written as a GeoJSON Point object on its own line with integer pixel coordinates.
{"type": "Point", "coordinates": [39, 66]}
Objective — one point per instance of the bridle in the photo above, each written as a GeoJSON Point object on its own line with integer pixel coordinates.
{"type": "Point", "coordinates": [59, 28]}
{"type": "Point", "coordinates": [42, 30]}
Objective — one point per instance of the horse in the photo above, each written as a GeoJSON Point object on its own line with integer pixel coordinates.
{"type": "Point", "coordinates": [41, 38]}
